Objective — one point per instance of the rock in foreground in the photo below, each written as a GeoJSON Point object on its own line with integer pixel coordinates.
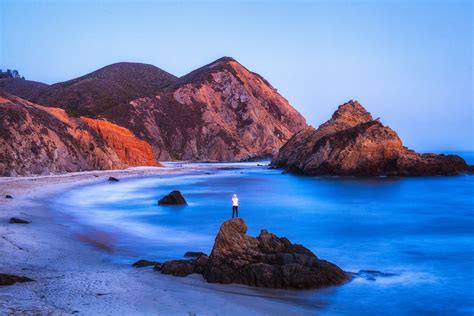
{"type": "Point", "coordinates": [352, 143]}
{"type": "Point", "coordinates": [16, 220]}
{"type": "Point", "coordinates": [174, 198]}
{"type": "Point", "coordinates": [9, 279]}
{"type": "Point", "coordinates": [145, 263]}
{"type": "Point", "coordinates": [263, 261]}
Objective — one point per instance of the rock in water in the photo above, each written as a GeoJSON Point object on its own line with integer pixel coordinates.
{"type": "Point", "coordinates": [194, 254]}
{"type": "Point", "coordinates": [174, 198]}
{"type": "Point", "coordinates": [15, 220]}
{"type": "Point", "coordinates": [8, 196]}
{"type": "Point", "coordinates": [263, 261]}
{"type": "Point", "coordinates": [145, 263]}
{"type": "Point", "coordinates": [352, 143]}
{"type": "Point", "coordinates": [8, 279]}
{"type": "Point", "coordinates": [113, 179]}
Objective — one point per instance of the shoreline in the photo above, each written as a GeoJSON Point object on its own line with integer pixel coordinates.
{"type": "Point", "coordinates": [74, 277]}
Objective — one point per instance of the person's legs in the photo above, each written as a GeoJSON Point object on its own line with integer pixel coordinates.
{"type": "Point", "coordinates": [233, 211]}
{"type": "Point", "coordinates": [237, 211]}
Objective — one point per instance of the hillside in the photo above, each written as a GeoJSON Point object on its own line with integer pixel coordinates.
{"type": "Point", "coordinates": [220, 112]}
{"type": "Point", "coordinates": [45, 140]}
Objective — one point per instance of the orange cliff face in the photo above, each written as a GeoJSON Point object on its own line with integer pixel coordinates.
{"type": "Point", "coordinates": [44, 140]}
{"type": "Point", "coordinates": [219, 112]}
{"type": "Point", "coordinates": [131, 150]}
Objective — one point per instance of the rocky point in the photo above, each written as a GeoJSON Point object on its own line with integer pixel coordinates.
{"type": "Point", "coordinates": [352, 143]}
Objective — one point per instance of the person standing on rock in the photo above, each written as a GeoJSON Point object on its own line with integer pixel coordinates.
{"type": "Point", "coordinates": [235, 206]}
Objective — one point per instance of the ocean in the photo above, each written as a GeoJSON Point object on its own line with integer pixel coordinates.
{"type": "Point", "coordinates": [413, 237]}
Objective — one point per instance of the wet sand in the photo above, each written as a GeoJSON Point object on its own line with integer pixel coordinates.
{"type": "Point", "coordinates": [72, 276]}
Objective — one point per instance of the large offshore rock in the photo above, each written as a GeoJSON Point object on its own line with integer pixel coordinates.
{"type": "Point", "coordinates": [352, 143]}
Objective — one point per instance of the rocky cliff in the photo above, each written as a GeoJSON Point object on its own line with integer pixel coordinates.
{"type": "Point", "coordinates": [353, 143]}
{"type": "Point", "coordinates": [41, 140]}
{"type": "Point", "coordinates": [221, 111]}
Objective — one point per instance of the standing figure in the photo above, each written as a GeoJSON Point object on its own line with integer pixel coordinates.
{"type": "Point", "coordinates": [235, 206]}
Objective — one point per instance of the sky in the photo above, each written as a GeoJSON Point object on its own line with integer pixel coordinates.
{"type": "Point", "coordinates": [408, 62]}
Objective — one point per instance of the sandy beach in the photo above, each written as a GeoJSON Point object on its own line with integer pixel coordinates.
{"type": "Point", "coordinates": [72, 277]}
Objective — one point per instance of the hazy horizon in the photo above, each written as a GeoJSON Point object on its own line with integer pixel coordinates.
{"type": "Point", "coordinates": [409, 63]}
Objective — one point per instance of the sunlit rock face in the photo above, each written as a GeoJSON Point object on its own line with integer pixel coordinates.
{"type": "Point", "coordinates": [353, 143]}
{"type": "Point", "coordinates": [41, 140]}
{"type": "Point", "coordinates": [131, 150]}
{"type": "Point", "coordinates": [220, 112]}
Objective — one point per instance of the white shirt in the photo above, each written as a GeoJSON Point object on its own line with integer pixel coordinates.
{"type": "Point", "coordinates": [235, 201]}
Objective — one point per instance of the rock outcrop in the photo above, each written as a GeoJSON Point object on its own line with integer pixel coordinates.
{"type": "Point", "coordinates": [352, 143]}
{"type": "Point", "coordinates": [263, 261]}
{"type": "Point", "coordinates": [44, 140]}
{"type": "Point", "coordinates": [131, 150]}
{"type": "Point", "coordinates": [174, 198]}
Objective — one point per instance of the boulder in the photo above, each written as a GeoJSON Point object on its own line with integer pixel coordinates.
{"type": "Point", "coordinates": [8, 196]}
{"type": "Point", "coordinates": [182, 268]}
{"type": "Point", "coordinates": [263, 261]}
{"type": "Point", "coordinates": [113, 179]}
{"type": "Point", "coordinates": [174, 198]}
{"type": "Point", "coordinates": [145, 263]}
{"type": "Point", "coordinates": [9, 279]}
{"type": "Point", "coordinates": [15, 220]}
{"type": "Point", "coordinates": [178, 267]}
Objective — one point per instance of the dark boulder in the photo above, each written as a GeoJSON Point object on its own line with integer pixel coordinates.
{"type": "Point", "coordinates": [145, 263]}
{"type": "Point", "coordinates": [194, 254]}
{"type": "Point", "coordinates": [8, 279]}
{"type": "Point", "coordinates": [178, 267]}
{"type": "Point", "coordinates": [174, 198]}
{"type": "Point", "coordinates": [263, 261]}
{"type": "Point", "coordinates": [8, 196]}
{"type": "Point", "coordinates": [15, 220]}
{"type": "Point", "coordinates": [184, 268]}
{"type": "Point", "coordinates": [113, 179]}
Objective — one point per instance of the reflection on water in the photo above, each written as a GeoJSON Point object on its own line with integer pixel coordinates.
{"type": "Point", "coordinates": [417, 232]}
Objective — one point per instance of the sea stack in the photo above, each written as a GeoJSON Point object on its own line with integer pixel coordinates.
{"type": "Point", "coordinates": [174, 198]}
{"type": "Point", "coordinates": [352, 143]}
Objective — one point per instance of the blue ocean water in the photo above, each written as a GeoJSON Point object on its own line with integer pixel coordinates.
{"type": "Point", "coordinates": [420, 231]}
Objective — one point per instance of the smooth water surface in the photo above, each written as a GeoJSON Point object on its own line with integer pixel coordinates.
{"type": "Point", "coordinates": [418, 230]}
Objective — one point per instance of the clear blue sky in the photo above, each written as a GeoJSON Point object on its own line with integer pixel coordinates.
{"type": "Point", "coordinates": [408, 62]}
